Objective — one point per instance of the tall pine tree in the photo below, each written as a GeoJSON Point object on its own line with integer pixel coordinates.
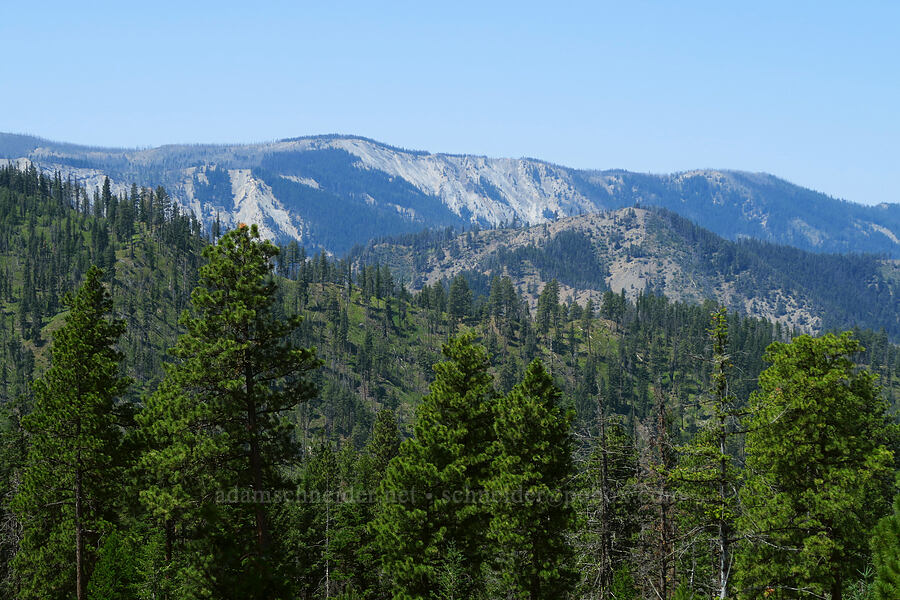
{"type": "Point", "coordinates": [706, 478]}
{"type": "Point", "coordinates": [886, 554]}
{"type": "Point", "coordinates": [73, 477]}
{"type": "Point", "coordinates": [532, 515]}
{"type": "Point", "coordinates": [217, 436]}
{"type": "Point", "coordinates": [819, 468]}
{"type": "Point", "coordinates": [355, 542]}
{"type": "Point", "coordinates": [429, 514]}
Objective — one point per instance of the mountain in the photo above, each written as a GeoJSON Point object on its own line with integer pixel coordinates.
{"type": "Point", "coordinates": [644, 369]}
{"type": "Point", "coordinates": [333, 192]}
{"type": "Point", "coordinates": [635, 251]}
{"type": "Point", "coordinates": [379, 338]}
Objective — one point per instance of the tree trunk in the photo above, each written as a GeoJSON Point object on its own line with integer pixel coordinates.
{"type": "Point", "coordinates": [605, 545]}
{"type": "Point", "coordinates": [328, 544]}
{"type": "Point", "coordinates": [80, 586]}
{"type": "Point", "coordinates": [169, 527]}
{"type": "Point", "coordinates": [256, 469]}
{"type": "Point", "coordinates": [724, 550]}
{"type": "Point", "coordinates": [666, 564]}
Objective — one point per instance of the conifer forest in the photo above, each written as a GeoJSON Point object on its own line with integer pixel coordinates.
{"type": "Point", "coordinates": [193, 413]}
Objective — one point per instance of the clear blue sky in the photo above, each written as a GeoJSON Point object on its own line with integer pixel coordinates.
{"type": "Point", "coordinates": [809, 91]}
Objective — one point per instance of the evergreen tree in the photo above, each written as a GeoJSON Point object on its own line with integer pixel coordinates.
{"type": "Point", "coordinates": [819, 468]}
{"type": "Point", "coordinates": [655, 566]}
{"type": "Point", "coordinates": [215, 428]}
{"type": "Point", "coordinates": [587, 321]}
{"type": "Point", "coordinates": [614, 306]}
{"type": "Point", "coordinates": [459, 302]}
{"type": "Point", "coordinates": [547, 307]}
{"type": "Point", "coordinates": [383, 445]}
{"type": "Point", "coordinates": [428, 508]}
{"type": "Point", "coordinates": [608, 509]}
{"type": "Point", "coordinates": [322, 486]}
{"type": "Point", "coordinates": [13, 452]}
{"type": "Point", "coordinates": [886, 554]}
{"type": "Point", "coordinates": [532, 515]}
{"type": "Point", "coordinates": [116, 574]}
{"type": "Point", "coordinates": [355, 546]}
{"type": "Point", "coordinates": [73, 476]}
{"type": "Point", "coordinates": [706, 478]}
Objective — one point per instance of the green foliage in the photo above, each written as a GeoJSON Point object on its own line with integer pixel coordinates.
{"type": "Point", "coordinates": [607, 504]}
{"type": "Point", "coordinates": [188, 538]}
{"type": "Point", "coordinates": [429, 500]}
{"type": "Point", "coordinates": [73, 476]}
{"type": "Point", "coordinates": [706, 478]}
{"type": "Point", "coordinates": [819, 467]}
{"type": "Point", "coordinates": [861, 588]}
{"type": "Point", "coordinates": [683, 592]}
{"type": "Point", "coordinates": [623, 586]}
{"type": "Point", "coordinates": [358, 513]}
{"type": "Point", "coordinates": [530, 485]}
{"type": "Point", "coordinates": [838, 284]}
{"type": "Point", "coordinates": [116, 575]}
{"type": "Point", "coordinates": [383, 446]}
{"type": "Point", "coordinates": [548, 307]}
{"type": "Point", "coordinates": [215, 428]}
{"type": "Point", "coordinates": [339, 212]}
{"type": "Point", "coordinates": [49, 237]}
{"type": "Point", "coordinates": [568, 257]}
{"type": "Point", "coordinates": [677, 257]}
{"type": "Point", "coordinates": [886, 553]}
{"type": "Point", "coordinates": [459, 302]}
{"type": "Point", "coordinates": [452, 578]}
{"type": "Point", "coordinates": [337, 518]}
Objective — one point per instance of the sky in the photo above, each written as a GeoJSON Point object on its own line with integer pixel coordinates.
{"type": "Point", "coordinates": [808, 91]}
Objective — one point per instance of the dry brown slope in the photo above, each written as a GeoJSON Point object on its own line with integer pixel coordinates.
{"type": "Point", "coordinates": [640, 249]}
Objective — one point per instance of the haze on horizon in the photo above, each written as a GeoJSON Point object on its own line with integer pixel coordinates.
{"type": "Point", "coordinates": [807, 92]}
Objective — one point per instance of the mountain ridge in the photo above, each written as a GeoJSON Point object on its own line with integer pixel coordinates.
{"type": "Point", "coordinates": [636, 251]}
{"type": "Point", "coordinates": [336, 191]}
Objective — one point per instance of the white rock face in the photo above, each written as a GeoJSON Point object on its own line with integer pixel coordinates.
{"type": "Point", "coordinates": [885, 232]}
{"type": "Point", "coordinates": [307, 181]}
{"type": "Point", "coordinates": [255, 203]}
{"type": "Point", "coordinates": [528, 190]}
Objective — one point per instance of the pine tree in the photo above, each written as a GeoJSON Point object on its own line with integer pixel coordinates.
{"type": "Point", "coordinates": [116, 574]}
{"type": "Point", "coordinates": [322, 486]}
{"type": "Point", "coordinates": [607, 506]}
{"type": "Point", "coordinates": [217, 438]}
{"type": "Point", "coordinates": [532, 469]}
{"type": "Point", "coordinates": [428, 508]}
{"type": "Point", "coordinates": [13, 452]}
{"type": "Point", "coordinates": [383, 445]}
{"type": "Point", "coordinates": [819, 467]}
{"type": "Point", "coordinates": [654, 562]}
{"type": "Point", "coordinates": [106, 196]}
{"type": "Point", "coordinates": [354, 545]}
{"type": "Point", "coordinates": [74, 470]}
{"type": "Point", "coordinates": [587, 320]}
{"type": "Point", "coordinates": [886, 554]}
{"type": "Point", "coordinates": [547, 307]}
{"type": "Point", "coordinates": [706, 478]}
{"type": "Point", "coordinates": [459, 303]}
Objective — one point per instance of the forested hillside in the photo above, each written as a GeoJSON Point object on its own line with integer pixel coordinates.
{"type": "Point", "coordinates": [52, 230]}
{"type": "Point", "coordinates": [562, 446]}
{"type": "Point", "coordinates": [656, 251]}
